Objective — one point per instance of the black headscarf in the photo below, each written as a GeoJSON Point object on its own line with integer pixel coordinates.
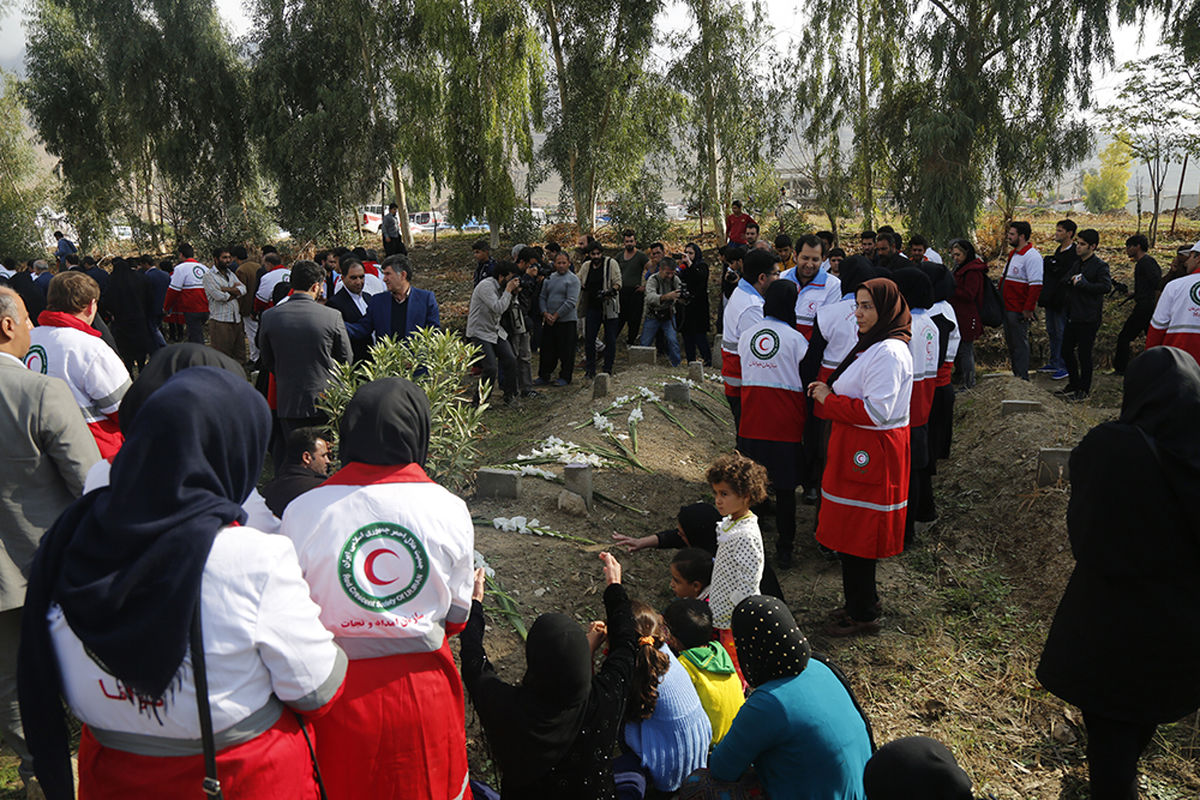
{"type": "Point", "coordinates": [386, 423]}
{"type": "Point", "coordinates": [915, 767]}
{"type": "Point", "coordinates": [134, 551]}
{"type": "Point", "coordinates": [1162, 398]}
{"type": "Point", "coordinates": [941, 278]}
{"type": "Point", "coordinates": [532, 726]}
{"type": "Point", "coordinates": [915, 286]}
{"type": "Point", "coordinates": [895, 321]}
{"type": "Point", "coordinates": [780, 301]}
{"type": "Point", "coordinates": [854, 272]}
{"type": "Point", "coordinates": [162, 365]}
{"type": "Point", "coordinates": [769, 644]}
{"type": "Point", "coordinates": [699, 523]}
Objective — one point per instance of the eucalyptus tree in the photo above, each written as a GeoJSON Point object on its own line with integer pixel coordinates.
{"type": "Point", "coordinates": [318, 100]}
{"type": "Point", "coordinates": [841, 69]}
{"type": "Point", "coordinates": [733, 126]}
{"type": "Point", "coordinates": [20, 189]}
{"type": "Point", "coordinates": [601, 118]}
{"type": "Point", "coordinates": [143, 97]}
{"type": "Point", "coordinates": [493, 73]}
{"type": "Point", "coordinates": [994, 85]}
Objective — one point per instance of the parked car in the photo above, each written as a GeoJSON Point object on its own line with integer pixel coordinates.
{"type": "Point", "coordinates": [372, 218]}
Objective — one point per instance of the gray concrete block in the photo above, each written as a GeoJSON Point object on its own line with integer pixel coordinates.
{"type": "Point", "coordinates": [572, 503]}
{"type": "Point", "coordinates": [578, 478]}
{"type": "Point", "coordinates": [696, 371]}
{"type": "Point", "coordinates": [716, 354]}
{"type": "Point", "coordinates": [1054, 465]}
{"type": "Point", "coordinates": [503, 483]}
{"type": "Point", "coordinates": [677, 393]}
{"type": "Point", "coordinates": [642, 355]}
{"type": "Point", "coordinates": [1010, 407]}
{"type": "Point", "coordinates": [600, 385]}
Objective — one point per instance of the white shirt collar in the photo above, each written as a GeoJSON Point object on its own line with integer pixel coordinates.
{"type": "Point", "coordinates": [14, 358]}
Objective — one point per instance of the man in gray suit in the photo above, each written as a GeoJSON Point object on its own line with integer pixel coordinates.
{"type": "Point", "coordinates": [301, 340]}
{"type": "Point", "coordinates": [47, 453]}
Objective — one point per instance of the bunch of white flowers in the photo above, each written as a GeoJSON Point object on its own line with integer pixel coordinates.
{"type": "Point", "coordinates": [480, 561]}
{"type": "Point", "coordinates": [602, 423]}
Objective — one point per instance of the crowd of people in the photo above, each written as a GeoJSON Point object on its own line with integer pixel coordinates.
{"type": "Point", "coordinates": [294, 641]}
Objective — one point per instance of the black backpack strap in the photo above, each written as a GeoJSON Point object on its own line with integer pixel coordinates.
{"type": "Point", "coordinates": [212, 784]}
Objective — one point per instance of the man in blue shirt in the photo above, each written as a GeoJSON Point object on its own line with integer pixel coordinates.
{"type": "Point", "coordinates": [64, 248]}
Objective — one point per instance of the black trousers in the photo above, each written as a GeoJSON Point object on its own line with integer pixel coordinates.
{"type": "Point", "coordinates": [595, 319]}
{"type": "Point", "coordinates": [693, 342]}
{"type": "Point", "coordinates": [195, 325]}
{"type": "Point", "coordinates": [1113, 750]}
{"type": "Point", "coordinates": [1079, 339]}
{"type": "Point", "coordinates": [735, 406]}
{"type": "Point", "coordinates": [558, 350]}
{"type": "Point", "coordinates": [858, 585]}
{"type": "Point", "coordinates": [811, 464]}
{"type": "Point", "coordinates": [631, 315]}
{"type": "Point", "coordinates": [393, 246]}
{"type": "Point", "coordinates": [499, 361]}
{"type": "Point", "coordinates": [1135, 325]}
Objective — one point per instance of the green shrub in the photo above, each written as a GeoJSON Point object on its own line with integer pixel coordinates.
{"type": "Point", "coordinates": [437, 361]}
{"type": "Point", "coordinates": [523, 228]}
{"type": "Point", "coordinates": [641, 208]}
{"type": "Point", "coordinates": [792, 221]}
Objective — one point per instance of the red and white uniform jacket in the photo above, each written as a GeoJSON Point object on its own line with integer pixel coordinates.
{"type": "Point", "coordinates": [266, 287]}
{"type": "Point", "coordinates": [839, 327]}
{"type": "Point", "coordinates": [1176, 320]}
{"type": "Point", "coordinates": [773, 399]}
{"type": "Point", "coordinates": [389, 556]}
{"type": "Point", "coordinates": [186, 292]}
{"type": "Point", "coordinates": [372, 268]}
{"type": "Point", "coordinates": [924, 348]}
{"type": "Point", "coordinates": [743, 309]}
{"type": "Point", "coordinates": [946, 368]}
{"type": "Point", "coordinates": [66, 347]}
{"type": "Point", "coordinates": [824, 289]}
{"type": "Point", "coordinates": [864, 488]}
{"type": "Point", "coordinates": [1022, 281]}
{"type": "Point", "coordinates": [264, 648]}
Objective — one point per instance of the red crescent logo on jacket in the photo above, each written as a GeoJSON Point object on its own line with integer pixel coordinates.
{"type": "Point", "coordinates": [382, 565]}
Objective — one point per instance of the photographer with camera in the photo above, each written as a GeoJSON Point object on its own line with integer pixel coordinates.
{"type": "Point", "coordinates": [600, 301]}
{"type": "Point", "coordinates": [663, 289]}
{"type": "Point", "coordinates": [694, 317]}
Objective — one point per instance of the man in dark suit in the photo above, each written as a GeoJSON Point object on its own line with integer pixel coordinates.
{"type": "Point", "coordinates": [47, 453]}
{"type": "Point", "coordinates": [306, 468]}
{"type": "Point", "coordinates": [351, 301]}
{"type": "Point", "coordinates": [301, 340]}
{"type": "Point", "coordinates": [402, 310]}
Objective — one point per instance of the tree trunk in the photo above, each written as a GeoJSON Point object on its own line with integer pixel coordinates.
{"type": "Point", "coordinates": [560, 73]}
{"type": "Point", "coordinates": [402, 202]}
{"type": "Point", "coordinates": [862, 124]}
{"type": "Point", "coordinates": [1179, 193]}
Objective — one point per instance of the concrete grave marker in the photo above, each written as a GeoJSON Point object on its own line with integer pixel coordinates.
{"type": "Point", "coordinates": [600, 385]}
{"type": "Point", "coordinates": [642, 355]}
{"type": "Point", "coordinates": [1010, 407]}
{"type": "Point", "coordinates": [1053, 464]}
{"type": "Point", "coordinates": [677, 393]}
{"type": "Point", "coordinates": [578, 478]}
{"type": "Point", "coordinates": [502, 483]}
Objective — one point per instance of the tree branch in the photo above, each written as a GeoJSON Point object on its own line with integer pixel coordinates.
{"type": "Point", "coordinates": [948, 14]}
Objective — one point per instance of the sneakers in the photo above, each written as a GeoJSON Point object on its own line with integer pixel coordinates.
{"type": "Point", "coordinates": [540, 381]}
{"type": "Point", "coordinates": [810, 496]}
{"type": "Point", "coordinates": [783, 559]}
{"type": "Point", "coordinates": [1048, 368]}
{"type": "Point", "coordinates": [530, 393]}
{"type": "Point", "coordinates": [1057, 375]}
{"type": "Point", "coordinates": [1066, 391]}
{"type": "Point", "coordinates": [1077, 396]}
{"type": "Point", "coordinates": [561, 382]}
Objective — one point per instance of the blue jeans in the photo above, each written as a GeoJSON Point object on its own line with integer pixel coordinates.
{"type": "Point", "coordinates": [1056, 323]}
{"type": "Point", "coordinates": [651, 326]}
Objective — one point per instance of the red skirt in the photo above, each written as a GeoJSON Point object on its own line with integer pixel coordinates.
{"type": "Point", "coordinates": [398, 730]}
{"type": "Point", "coordinates": [274, 764]}
{"type": "Point", "coordinates": [864, 491]}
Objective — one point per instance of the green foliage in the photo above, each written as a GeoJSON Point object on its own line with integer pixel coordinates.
{"type": "Point", "coordinates": [733, 124]}
{"type": "Point", "coordinates": [1106, 190]}
{"type": "Point", "coordinates": [641, 208]}
{"type": "Point", "coordinates": [523, 227]}
{"type": "Point", "coordinates": [606, 113]}
{"type": "Point", "coordinates": [437, 361]}
{"type": "Point", "coordinates": [141, 100]}
{"type": "Point", "coordinates": [792, 221]}
{"type": "Point", "coordinates": [20, 192]}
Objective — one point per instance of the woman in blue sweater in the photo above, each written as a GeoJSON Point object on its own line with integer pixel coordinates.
{"type": "Point", "coordinates": [799, 729]}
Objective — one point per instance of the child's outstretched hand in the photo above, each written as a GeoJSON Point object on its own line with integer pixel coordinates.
{"type": "Point", "coordinates": [612, 568]}
{"type": "Point", "coordinates": [632, 544]}
{"type": "Point", "coordinates": [596, 634]}
{"type": "Point", "coordinates": [480, 585]}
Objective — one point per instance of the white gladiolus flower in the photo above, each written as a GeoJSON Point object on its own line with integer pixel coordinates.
{"type": "Point", "coordinates": [646, 394]}
{"type": "Point", "coordinates": [480, 561]}
{"type": "Point", "coordinates": [602, 423]}
{"type": "Point", "coordinates": [636, 415]}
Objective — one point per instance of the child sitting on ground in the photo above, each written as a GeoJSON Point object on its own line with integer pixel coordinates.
{"type": "Point", "coordinates": [691, 573]}
{"type": "Point", "coordinates": [737, 483]}
{"type": "Point", "coordinates": [666, 727]}
{"type": "Point", "coordinates": [707, 663]}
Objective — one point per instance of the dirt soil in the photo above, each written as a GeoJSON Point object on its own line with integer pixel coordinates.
{"type": "Point", "coordinates": [966, 610]}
